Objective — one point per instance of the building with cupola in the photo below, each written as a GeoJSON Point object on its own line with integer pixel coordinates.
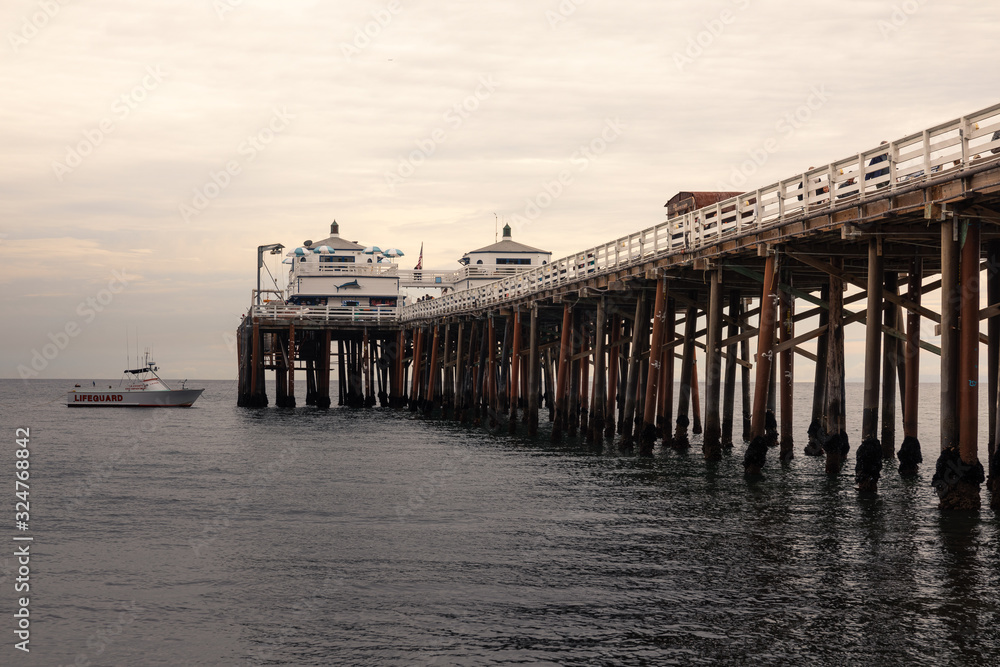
{"type": "Point", "coordinates": [338, 272]}
{"type": "Point", "coordinates": [498, 260]}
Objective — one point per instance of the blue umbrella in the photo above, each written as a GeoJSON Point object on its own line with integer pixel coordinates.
{"type": "Point", "coordinates": [372, 249]}
{"type": "Point", "coordinates": [324, 250]}
{"type": "Point", "coordinates": [393, 252]}
{"type": "Point", "coordinates": [299, 252]}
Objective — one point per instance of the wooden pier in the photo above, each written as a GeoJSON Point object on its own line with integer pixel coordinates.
{"type": "Point", "coordinates": [594, 339]}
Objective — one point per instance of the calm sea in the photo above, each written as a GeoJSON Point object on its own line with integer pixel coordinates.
{"type": "Point", "coordinates": [226, 536]}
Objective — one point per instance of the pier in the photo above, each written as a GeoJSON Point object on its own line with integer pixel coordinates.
{"type": "Point", "coordinates": [596, 342]}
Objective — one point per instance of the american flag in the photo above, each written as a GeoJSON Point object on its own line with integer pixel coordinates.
{"type": "Point", "coordinates": [420, 260]}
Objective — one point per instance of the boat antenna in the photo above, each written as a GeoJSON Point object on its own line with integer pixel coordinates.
{"type": "Point", "coordinates": [495, 223]}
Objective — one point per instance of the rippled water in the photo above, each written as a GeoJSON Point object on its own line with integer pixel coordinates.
{"type": "Point", "coordinates": [219, 535]}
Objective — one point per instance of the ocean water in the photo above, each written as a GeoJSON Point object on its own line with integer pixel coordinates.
{"type": "Point", "coordinates": [219, 535]}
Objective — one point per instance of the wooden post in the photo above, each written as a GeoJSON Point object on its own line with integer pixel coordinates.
{"type": "Point", "coordinates": [614, 362]}
{"type": "Point", "coordinates": [665, 414]}
{"type": "Point", "coordinates": [993, 372]}
{"type": "Point", "coordinates": [958, 477]}
{"type": "Point", "coordinates": [817, 431]}
{"type": "Point", "coordinates": [323, 369]}
{"type": "Point", "coordinates": [648, 433]}
{"type": "Point", "coordinates": [950, 299]}
{"type": "Point", "coordinates": [909, 452]}
{"type": "Point", "coordinates": [459, 372]}
{"type": "Point", "coordinates": [533, 372]}
{"type": "Point", "coordinates": [786, 373]}
{"type": "Point", "coordinates": [515, 368]}
{"type": "Point", "coordinates": [491, 375]}
{"type": "Point", "coordinates": [639, 329]}
{"type": "Point", "coordinates": [418, 337]}
{"type": "Point", "coordinates": [687, 371]}
{"type": "Point", "coordinates": [756, 453]}
{"type": "Point", "coordinates": [280, 370]}
{"type": "Point", "coordinates": [889, 369]}
{"type": "Point", "coordinates": [585, 353]}
{"type": "Point", "coordinates": [600, 398]}
{"type": "Point", "coordinates": [432, 374]}
{"type": "Point", "coordinates": [695, 397]}
{"type": "Point", "coordinates": [563, 373]}
{"type": "Point", "coordinates": [712, 444]}
{"type": "Point", "coordinates": [836, 444]}
{"type": "Point", "coordinates": [729, 385]}
{"type": "Point", "coordinates": [292, 351]}
{"type": "Point", "coordinates": [745, 386]}
{"type": "Point", "coordinates": [869, 455]}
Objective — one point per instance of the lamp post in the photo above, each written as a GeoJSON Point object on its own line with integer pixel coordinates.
{"type": "Point", "coordinates": [274, 249]}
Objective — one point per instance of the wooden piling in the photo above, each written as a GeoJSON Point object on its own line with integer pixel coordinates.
{"type": "Point", "coordinates": [534, 375]}
{"type": "Point", "coordinates": [665, 414]}
{"type": "Point", "coordinates": [786, 373]}
{"type": "Point", "coordinates": [292, 352]}
{"type": "Point", "coordinates": [647, 434]}
{"type": "Point", "coordinates": [869, 454]}
{"type": "Point", "coordinates": [323, 373]}
{"type": "Point", "coordinates": [817, 431]}
{"type": "Point", "coordinates": [993, 372]}
{"type": "Point", "coordinates": [614, 363]}
{"type": "Point", "coordinates": [712, 442]}
{"type": "Point", "coordinates": [695, 398]}
{"type": "Point", "coordinates": [418, 337]}
{"type": "Point", "coordinates": [515, 368]}
{"type": "Point", "coordinates": [910, 456]}
{"type": "Point", "coordinates": [729, 384]}
{"type": "Point", "coordinates": [600, 396]}
{"type": "Point", "coordinates": [836, 443]}
{"type": "Point", "coordinates": [680, 440]}
{"type": "Point", "coordinates": [890, 362]}
{"type": "Point", "coordinates": [754, 458]}
{"type": "Point", "coordinates": [562, 385]}
{"type": "Point", "coordinates": [950, 299]}
{"type": "Point", "coordinates": [639, 329]}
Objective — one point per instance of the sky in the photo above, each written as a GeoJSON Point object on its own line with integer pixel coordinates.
{"type": "Point", "coordinates": [149, 148]}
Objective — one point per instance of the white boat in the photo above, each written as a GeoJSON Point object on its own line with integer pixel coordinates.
{"type": "Point", "coordinates": [144, 390]}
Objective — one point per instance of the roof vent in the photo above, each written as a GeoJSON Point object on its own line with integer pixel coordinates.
{"type": "Point", "coordinates": [307, 243]}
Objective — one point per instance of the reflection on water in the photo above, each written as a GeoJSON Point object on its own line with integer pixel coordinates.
{"type": "Point", "coordinates": [379, 537]}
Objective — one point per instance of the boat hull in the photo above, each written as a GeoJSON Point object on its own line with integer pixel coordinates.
{"type": "Point", "coordinates": [174, 398]}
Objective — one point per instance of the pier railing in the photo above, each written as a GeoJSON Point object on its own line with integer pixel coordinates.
{"type": "Point", "coordinates": [372, 314]}
{"type": "Point", "coordinates": [939, 152]}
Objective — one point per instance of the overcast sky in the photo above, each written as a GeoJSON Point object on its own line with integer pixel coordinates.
{"type": "Point", "coordinates": [165, 141]}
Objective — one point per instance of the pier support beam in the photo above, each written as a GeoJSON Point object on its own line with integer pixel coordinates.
{"type": "Point", "coordinates": [869, 456]}
{"type": "Point", "coordinates": [595, 432]}
{"type": "Point", "coordinates": [712, 442]}
{"type": "Point", "coordinates": [648, 432]}
{"type": "Point", "coordinates": [909, 452]}
{"type": "Point", "coordinates": [562, 377]}
{"type": "Point", "coordinates": [640, 329]}
{"type": "Point", "coordinates": [993, 372]}
{"type": "Point", "coordinates": [687, 365]}
{"type": "Point", "coordinates": [695, 397]}
{"type": "Point", "coordinates": [533, 373]}
{"type": "Point", "coordinates": [786, 373]}
{"type": "Point", "coordinates": [515, 369]}
{"type": "Point", "coordinates": [817, 428]}
{"type": "Point", "coordinates": [756, 452]}
{"type": "Point", "coordinates": [890, 362]}
{"type": "Point", "coordinates": [959, 472]}
{"type": "Point", "coordinates": [836, 444]}
{"type": "Point", "coordinates": [729, 385]}
{"type": "Point", "coordinates": [614, 365]}
{"type": "Point", "coordinates": [665, 415]}
{"type": "Point", "coordinates": [323, 373]}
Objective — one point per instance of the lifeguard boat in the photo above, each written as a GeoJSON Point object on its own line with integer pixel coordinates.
{"type": "Point", "coordinates": [145, 389]}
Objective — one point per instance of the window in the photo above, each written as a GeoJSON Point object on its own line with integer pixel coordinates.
{"type": "Point", "coordinates": [336, 258]}
{"type": "Point", "coordinates": [512, 260]}
{"type": "Point", "coordinates": [479, 261]}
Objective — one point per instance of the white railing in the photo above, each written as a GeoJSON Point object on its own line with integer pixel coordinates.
{"type": "Point", "coordinates": [420, 277]}
{"type": "Point", "coordinates": [318, 269]}
{"type": "Point", "coordinates": [938, 152]}
{"type": "Point", "coordinates": [376, 314]}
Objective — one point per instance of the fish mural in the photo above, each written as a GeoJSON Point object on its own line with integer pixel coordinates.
{"type": "Point", "coordinates": [353, 284]}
